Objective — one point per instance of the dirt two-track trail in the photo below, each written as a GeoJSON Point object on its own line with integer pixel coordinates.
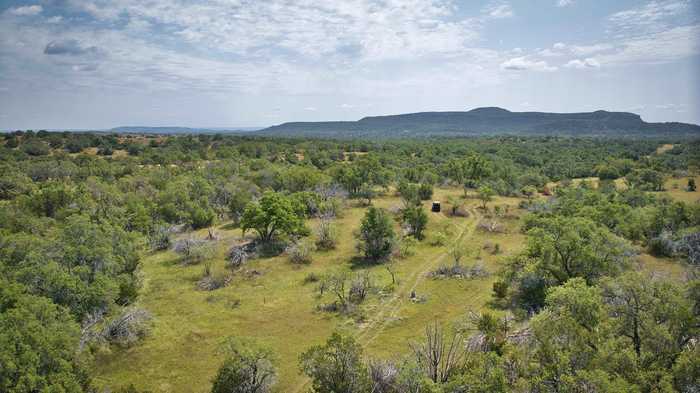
{"type": "Point", "coordinates": [388, 310]}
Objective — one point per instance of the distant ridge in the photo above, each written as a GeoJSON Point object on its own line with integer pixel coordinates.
{"type": "Point", "coordinates": [179, 130]}
{"type": "Point", "coordinates": [485, 121]}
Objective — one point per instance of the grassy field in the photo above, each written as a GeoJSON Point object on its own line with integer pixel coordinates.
{"type": "Point", "coordinates": [272, 305]}
{"type": "Point", "coordinates": [676, 189]}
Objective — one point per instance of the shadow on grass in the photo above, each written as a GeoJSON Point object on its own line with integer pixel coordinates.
{"type": "Point", "coordinates": [230, 226]}
{"type": "Point", "coordinates": [359, 262]}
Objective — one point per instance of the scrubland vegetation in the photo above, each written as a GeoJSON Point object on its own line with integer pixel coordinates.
{"type": "Point", "coordinates": [134, 263]}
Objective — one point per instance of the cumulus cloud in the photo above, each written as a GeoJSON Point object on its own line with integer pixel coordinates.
{"type": "Point", "coordinates": [582, 64]}
{"type": "Point", "coordinates": [69, 47]}
{"type": "Point", "coordinates": [525, 64]}
{"type": "Point", "coordinates": [499, 11]}
{"type": "Point", "coordinates": [564, 3]}
{"type": "Point", "coordinates": [29, 10]}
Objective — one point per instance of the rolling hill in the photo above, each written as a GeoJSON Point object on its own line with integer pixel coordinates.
{"type": "Point", "coordinates": [486, 121]}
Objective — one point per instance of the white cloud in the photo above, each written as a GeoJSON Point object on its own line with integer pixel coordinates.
{"type": "Point", "coordinates": [524, 64]}
{"type": "Point", "coordinates": [559, 46]}
{"type": "Point", "coordinates": [564, 3]}
{"type": "Point", "coordinates": [366, 30]}
{"type": "Point", "coordinates": [29, 10]}
{"type": "Point", "coordinates": [310, 109]}
{"type": "Point", "coordinates": [665, 46]}
{"type": "Point", "coordinates": [346, 106]}
{"type": "Point", "coordinates": [653, 15]}
{"type": "Point", "coordinates": [499, 11]}
{"type": "Point", "coordinates": [583, 50]}
{"type": "Point", "coordinates": [582, 64]}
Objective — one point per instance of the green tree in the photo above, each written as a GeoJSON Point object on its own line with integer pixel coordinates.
{"type": "Point", "coordinates": [336, 366]}
{"type": "Point", "coordinates": [646, 179]}
{"type": "Point", "coordinates": [567, 334]}
{"type": "Point", "coordinates": [486, 194]}
{"type": "Point", "coordinates": [38, 342]}
{"type": "Point", "coordinates": [560, 248]}
{"type": "Point", "coordinates": [376, 236]}
{"type": "Point", "coordinates": [416, 219]}
{"type": "Point", "coordinates": [529, 192]}
{"type": "Point", "coordinates": [246, 369]}
{"type": "Point", "coordinates": [272, 215]}
{"type": "Point", "coordinates": [656, 317]}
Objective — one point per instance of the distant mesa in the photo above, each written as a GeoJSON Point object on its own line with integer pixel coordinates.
{"type": "Point", "coordinates": [486, 121]}
{"type": "Point", "coordinates": [474, 122]}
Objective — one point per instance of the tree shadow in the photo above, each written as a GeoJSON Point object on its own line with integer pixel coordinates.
{"type": "Point", "coordinates": [359, 262]}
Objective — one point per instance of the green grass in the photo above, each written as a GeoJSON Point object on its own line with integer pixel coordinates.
{"type": "Point", "coordinates": [676, 189]}
{"type": "Point", "coordinates": [279, 311]}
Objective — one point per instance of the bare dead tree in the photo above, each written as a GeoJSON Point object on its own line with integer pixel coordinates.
{"type": "Point", "coordinates": [436, 357]}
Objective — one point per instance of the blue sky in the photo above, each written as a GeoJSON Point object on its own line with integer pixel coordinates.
{"type": "Point", "coordinates": [104, 63]}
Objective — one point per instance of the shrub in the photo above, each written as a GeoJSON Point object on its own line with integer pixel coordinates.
{"type": "Point", "coordinates": [662, 245]}
{"type": "Point", "coordinates": [406, 247]}
{"type": "Point", "coordinates": [689, 245]}
{"type": "Point", "coordinates": [159, 238]}
{"type": "Point", "coordinates": [425, 192]}
{"type": "Point", "coordinates": [247, 369]}
{"type": "Point", "coordinates": [300, 252]}
{"type": "Point", "coordinates": [500, 289]}
{"type": "Point", "coordinates": [211, 281]}
{"type": "Point", "coordinates": [237, 257]}
{"type": "Point", "coordinates": [492, 226]}
{"type": "Point", "coordinates": [459, 271]}
{"type": "Point", "coordinates": [359, 288]}
{"type": "Point", "coordinates": [128, 328]}
{"type": "Point", "coordinates": [326, 235]}
{"type": "Point", "coordinates": [336, 366]}
{"type": "Point", "coordinates": [193, 251]}
{"type": "Point", "coordinates": [311, 278]}
{"type": "Point", "coordinates": [438, 239]}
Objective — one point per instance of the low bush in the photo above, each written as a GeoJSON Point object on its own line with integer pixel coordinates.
{"type": "Point", "coordinates": [237, 256]}
{"type": "Point", "coordinates": [491, 226]}
{"type": "Point", "coordinates": [193, 251]}
{"type": "Point", "coordinates": [438, 239]}
{"type": "Point", "coordinates": [458, 271]}
{"type": "Point", "coordinates": [300, 252]}
{"type": "Point", "coordinates": [326, 235]}
{"type": "Point", "coordinates": [128, 328]}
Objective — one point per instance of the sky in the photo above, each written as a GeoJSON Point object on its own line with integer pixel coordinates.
{"type": "Point", "coordinates": [97, 64]}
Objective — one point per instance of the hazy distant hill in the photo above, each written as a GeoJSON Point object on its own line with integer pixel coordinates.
{"type": "Point", "coordinates": [483, 121]}
{"type": "Point", "coordinates": [179, 130]}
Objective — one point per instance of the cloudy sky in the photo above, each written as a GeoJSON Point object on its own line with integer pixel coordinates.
{"type": "Point", "coordinates": [104, 63]}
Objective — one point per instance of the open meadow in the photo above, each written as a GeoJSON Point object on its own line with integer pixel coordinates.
{"type": "Point", "coordinates": [271, 302]}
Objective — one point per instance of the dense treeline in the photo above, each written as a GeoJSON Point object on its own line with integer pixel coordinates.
{"type": "Point", "coordinates": [78, 210]}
